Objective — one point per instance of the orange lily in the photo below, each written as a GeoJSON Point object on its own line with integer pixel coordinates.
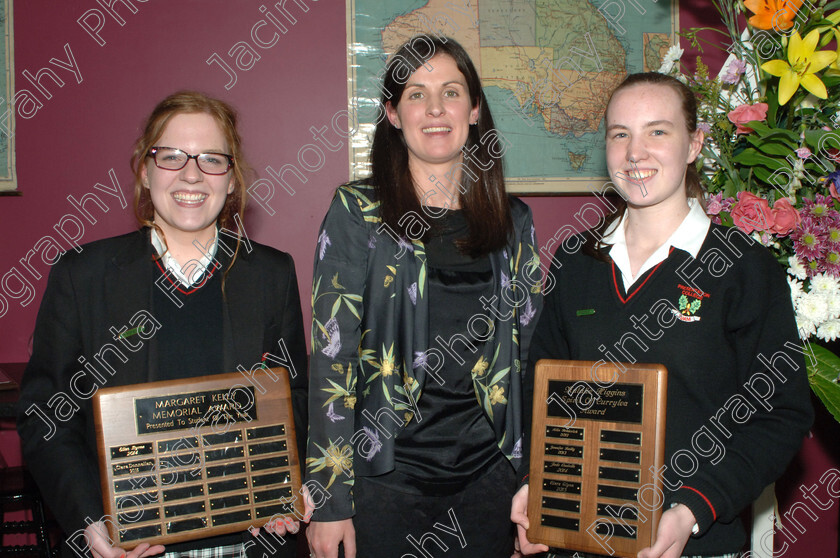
{"type": "Point", "coordinates": [772, 14]}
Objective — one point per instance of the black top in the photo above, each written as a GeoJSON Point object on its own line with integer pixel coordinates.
{"type": "Point", "coordinates": [110, 287]}
{"type": "Point", "coordinates": [453, 440]}
{"type": "Point", "coordinates": [190, 317]}
{"type": "Point", "coordinates": [720, 323]}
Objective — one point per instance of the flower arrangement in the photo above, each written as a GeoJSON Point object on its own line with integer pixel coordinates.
{"type": "Point", "coordinates": [771, 160]}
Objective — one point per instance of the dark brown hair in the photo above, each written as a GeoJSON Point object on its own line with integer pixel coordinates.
{"type": "Point", "coordinates": [191, 102]}
{"type": "Point", "coordinates": [693, 187]}
{"type": "Point", "coordinates": [482, 192]}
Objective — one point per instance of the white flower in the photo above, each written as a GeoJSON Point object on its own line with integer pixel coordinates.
{"type": "Point", "coordinates": [805, 327]}
{"type": "Point", "coordinates": [671, 58]}
{"type": "Point", "coordinates": [829, 331]}
{"type": "Point", "coordinates": [795, 289]}
{"type": "Point", "coordinates": [834, 305]}
{"type": "Point", "coordinates": [824, 284]}
{"type": "Point", "coordinates": [813, 307]}
{"type": "Point", "coordinates": [796, 268]}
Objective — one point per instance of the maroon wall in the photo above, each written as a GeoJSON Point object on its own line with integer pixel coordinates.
{"type": "Point", "coordinates": [71, 143]}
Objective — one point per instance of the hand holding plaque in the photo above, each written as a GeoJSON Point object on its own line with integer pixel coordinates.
{"type": "Point", "coordinates": [597, 437]}
{"type": "Point", "coordinates": [189, 459]}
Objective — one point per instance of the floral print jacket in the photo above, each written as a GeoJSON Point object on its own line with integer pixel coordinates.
{"type": "Point", "coordinates": [370, 347]}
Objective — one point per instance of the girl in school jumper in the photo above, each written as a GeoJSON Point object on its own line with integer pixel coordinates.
{"type": "Point", "coordinates": [658, 282]}
{"type": "Point", "coordinates": [203, 298]}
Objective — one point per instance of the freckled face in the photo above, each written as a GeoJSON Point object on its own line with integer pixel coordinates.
{"type": "Point", "coordinates": [648, 146]}
{"type": "Point", "coordinates": [187, 200]}
{"type": "Point", "coordinates": [434, 112]}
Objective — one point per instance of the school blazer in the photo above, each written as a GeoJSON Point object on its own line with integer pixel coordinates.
{"type": "Point", "coordinates": [91, 296]}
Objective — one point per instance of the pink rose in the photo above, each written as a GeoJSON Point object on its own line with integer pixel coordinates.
{"type": "Point", "coordinates": [714, 206]}
{"type": "Point", "coordinates": [785, 217]}
{"type": "Point", "coordinates": [747, 113]}
{"type": "Point", "coordinates": [752, 213]}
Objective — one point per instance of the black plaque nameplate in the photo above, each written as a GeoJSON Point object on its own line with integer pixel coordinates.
{"type": "Point", "coordinates": [198, 457]}
{"type": "Point", "coordinates": [566, 523]}
{"type": "Point", "coordinates": [618, 437]}
{"type": "Point", "coordinates": [607, 529]}
{"type": "Point", "coordinates": [560, 468]}
{"type": "Point", "coordinates": [619, 492]}
{"type": "Point", "coordinates": [131, 450]}
{"type": "Point", "coordinates": [621, 456]}
{"type": "Point", "coordinates": [184, 410]}
{"type": "Point", "coordinates": [564, 433]}
{"type": "Point", "coordinates": [618, 511]}
{"type": "Point", "coordinates": [617, 403]}
{"type": "Point", "coordinates": [567, 487]}
{"type": "Point", "coordinates": [561, 504]}
{"type": "Point", "coordinates": [562, 450]}
{"type": "Point", "coordinates": [615, 473]}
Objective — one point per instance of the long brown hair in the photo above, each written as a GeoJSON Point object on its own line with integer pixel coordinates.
{"type": "Point", "coordinates": [191, 102]}
{"type": "Point", "coordinates": [693, 186]}
{"type": "Point", "coordinates": [482, 192]}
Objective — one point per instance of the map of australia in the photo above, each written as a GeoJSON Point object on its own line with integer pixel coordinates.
{"type": "Point", "coordinates": [547, 67]}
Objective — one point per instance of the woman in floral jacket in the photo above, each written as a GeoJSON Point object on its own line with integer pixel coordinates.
{"type": "Point", "coordinates": [426, 292]}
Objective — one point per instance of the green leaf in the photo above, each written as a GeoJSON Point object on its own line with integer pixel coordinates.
{"type": "Point", "coordinates": [813, 137]}
{"type": "Point", "coordinates": [774, 147]}
{"type": "Point", "coordinates": [823, 375]}
{"type": "Point", "coordinates": [421, 279]}
{"type": "Point", "coordinates": [772, 108]}
{"type": "Point", "coordinates": [352, 308]}
{"type": "Point", "coordinates": [335, 307]}
{"type": "Point", "coordinates": [752, 157]}
{"type": "Point", "coordinates": [498, 376]}
{"type": "Point", "coordinates": [343, 199]}
{"type": "Point", "coordinates": [317, 286]}
{"type": "Point", "coordinates": [765, 131]}
{"type": "Point", "coordinates": [763, 175]}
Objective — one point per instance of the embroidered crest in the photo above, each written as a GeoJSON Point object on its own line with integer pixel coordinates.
{"type": "Point", "coordinates": [689, 304]}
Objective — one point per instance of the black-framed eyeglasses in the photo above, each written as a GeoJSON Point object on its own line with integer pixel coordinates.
{"type": "Point", "coordinates": [171, 158]}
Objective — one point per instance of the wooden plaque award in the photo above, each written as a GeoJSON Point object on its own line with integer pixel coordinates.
{"type": "Point", "coordinates": [598, 435]}
{"type": "Point", "coordinates": [188, 459]}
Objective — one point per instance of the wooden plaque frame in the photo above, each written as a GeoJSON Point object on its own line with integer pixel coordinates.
{"type": "Point", "coordinates": [592, 486]}
{"type": "Point", "coordinates": [188, 459]}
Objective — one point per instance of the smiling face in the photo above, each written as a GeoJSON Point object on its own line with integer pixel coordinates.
{"type": "Point", "coordinates": [187, 202]}
{"type": "Point", "coordinates": [434, 112]}
{"type": "Point", "coordinates": [649, 147]}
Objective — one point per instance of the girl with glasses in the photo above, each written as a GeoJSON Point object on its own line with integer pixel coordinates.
{"type": "Point", "coordinates": [204, 299]}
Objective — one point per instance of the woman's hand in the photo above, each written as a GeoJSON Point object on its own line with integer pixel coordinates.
{"type": "Point", "coordinates": [99, 544]}
{"type": "Point", "coordinates": [673, 532]}
{"type": "Point", "coordinates": [519, 515]}
{"type": "Point", "coordinates": [282, 525]}
{"type": "Point", "coordinates": [324, 537]}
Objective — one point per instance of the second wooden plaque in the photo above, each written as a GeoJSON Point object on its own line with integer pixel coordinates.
{"type": "Point", "coordinates": [598, 435]}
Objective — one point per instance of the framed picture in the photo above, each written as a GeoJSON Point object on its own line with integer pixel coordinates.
{"type": "Point", "coordinates": [547, 68]}
{"type": "Point", "coordinates": [8, 177]}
